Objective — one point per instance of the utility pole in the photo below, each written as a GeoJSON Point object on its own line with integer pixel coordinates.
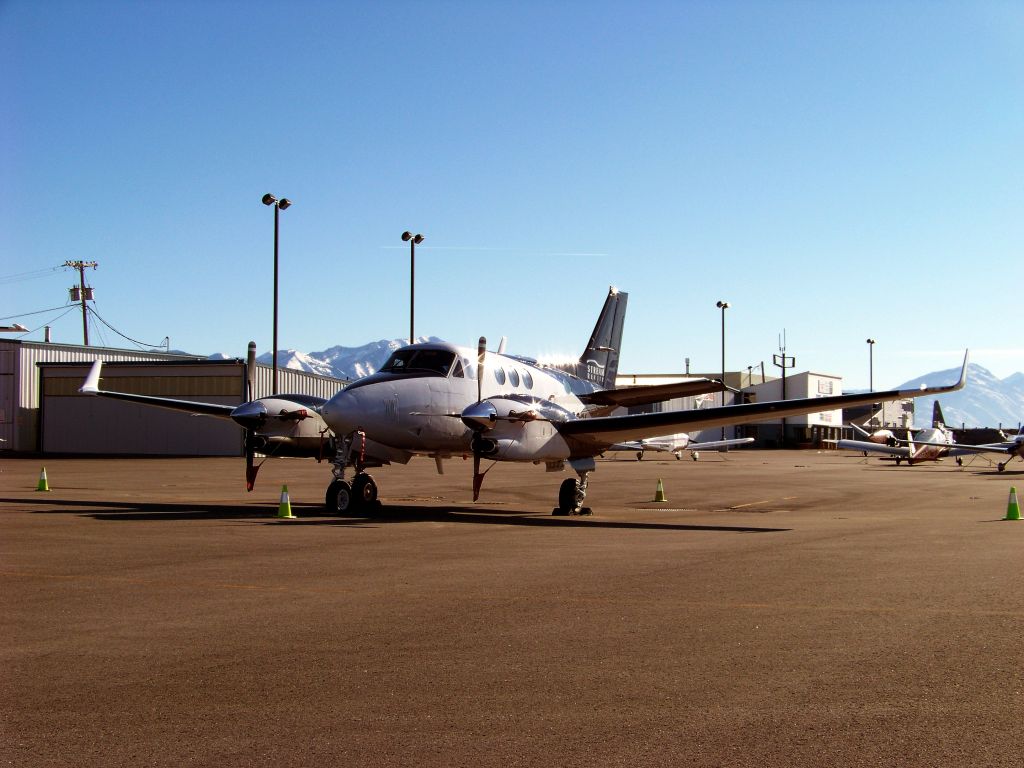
{"type": "Point", "coordinates": [83, 294]}
{"type": "Point", "coordinates": [783, 361]}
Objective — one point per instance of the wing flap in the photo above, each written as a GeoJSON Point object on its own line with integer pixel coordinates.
{"type": "Point", "coordinates": [640, 395]}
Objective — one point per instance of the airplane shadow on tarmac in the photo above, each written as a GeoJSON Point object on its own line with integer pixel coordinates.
{"type": "Point", "coordinates": [313, 515]}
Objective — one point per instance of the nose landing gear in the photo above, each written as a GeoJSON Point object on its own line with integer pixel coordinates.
{"type": "Point", "coordinates": [357, 498]}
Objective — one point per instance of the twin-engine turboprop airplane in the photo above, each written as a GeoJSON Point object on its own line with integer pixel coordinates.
{"type": "Point", "coordinates": [441, 400]}
{"type": "Point", "coordinates": [677, 445]}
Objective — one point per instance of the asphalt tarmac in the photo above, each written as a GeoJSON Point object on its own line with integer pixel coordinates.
{"type": "Point", "coordinates": [786, 608]}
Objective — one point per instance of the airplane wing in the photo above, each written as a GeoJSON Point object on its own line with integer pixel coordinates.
{"type": "Point", "coordinates": [596, 434]}
{"type": "Point", "coordinates": [900, 451]}
{"type": "Point", "coordinates": [91, 387]}
{"type": "Point", "coordinates": [714, 445]}
{"type": "Point", "coordinates": [961, 449]}
{"type": "Point", "coordinates": [628, 396]}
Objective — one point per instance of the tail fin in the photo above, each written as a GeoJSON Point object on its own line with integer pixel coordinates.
{"type": "Point", "coordinates": [937, 420]}
{"type": "Point", "coordinates": [599, 362]}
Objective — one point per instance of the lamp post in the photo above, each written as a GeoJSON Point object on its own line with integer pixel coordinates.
{"type": "Point", "coordinates": [723, 305]}
{"type": "Point", "coordinates": [871, 365]}
{"type": "Point", "coordinates": [413, 241]}
{"type": "Point", "coordinates": [279, 205]}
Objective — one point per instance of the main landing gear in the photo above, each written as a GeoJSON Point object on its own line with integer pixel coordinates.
{"type": "Point", "coordinates": [572, 492]}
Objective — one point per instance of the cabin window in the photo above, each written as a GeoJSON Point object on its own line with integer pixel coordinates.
{"type": "Point", "coordinates": [457, 372]}
{"type": "Point", "coordinates": [409, 360]}
{"type": "Point", "coordinates": [469, 367]}
{"type": "Point", "coordinates": [513, 377]}
{"type": "Point", "coordinates": [527, 379]}
{"type": "Point", "coordinates": [499, 375]}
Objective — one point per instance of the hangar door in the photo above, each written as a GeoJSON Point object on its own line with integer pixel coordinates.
{"type": "Point", "coordinates": [77, 424]}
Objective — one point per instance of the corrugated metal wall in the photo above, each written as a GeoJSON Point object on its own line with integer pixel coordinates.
{"type": "Point", "coordinates": [20, 419]}
{"type": "Point", "coordinates": [19, 383]}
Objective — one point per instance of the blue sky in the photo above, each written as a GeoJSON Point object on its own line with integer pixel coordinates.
{"type": "Point", "coordinates": [837, 170]}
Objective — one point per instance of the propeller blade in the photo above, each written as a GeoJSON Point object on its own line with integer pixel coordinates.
{"type": "Point", "coordinates": [251, 468]}
{"type": "Point", "coordinates": [478, 479]}
{"type": "Point", "coordinates": [481, 353]}
{"type": "Point", "coordinates": [250, 371]}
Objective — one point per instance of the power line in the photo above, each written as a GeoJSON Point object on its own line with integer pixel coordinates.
{"type": "Point", "coordinates": [37, 312]}
{"type": "Point", "coordinates": [141, 344]}
{"type": "Point", "coordinates": [48, 322]}
{"type": "Point", "coordinates": [35, 274]}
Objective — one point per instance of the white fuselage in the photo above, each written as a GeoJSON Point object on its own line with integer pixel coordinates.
{"type": "Point", "coordinates": [417, 410]}
{"type": "Point", "coordinates": [931, 452]}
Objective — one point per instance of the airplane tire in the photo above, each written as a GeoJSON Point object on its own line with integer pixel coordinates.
{"type": "Point", "coordinates": [639, 455]}
{"type": "Point", "coordinates": [364, 490]}
{"type": "Point", "coordinates": [339, 498]}
{"type": "Point", "coordinates": [567, 497]}
{"type": "Point", "coordinates": [1001, 466]}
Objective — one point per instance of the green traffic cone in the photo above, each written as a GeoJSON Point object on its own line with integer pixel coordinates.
{"type": "Point", "coordinates": [1012, 507]}
{"type": "Point", "coordinates": [284, 508]}
{"type": "Point", "coordinates": [659, 495]}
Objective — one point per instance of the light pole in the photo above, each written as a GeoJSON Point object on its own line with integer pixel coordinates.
{"type": "Point", "coordinates": [279, 205]}
{"type": "Point", "coordinates": [723, 305]}
{"type": "Point", "coordinates": [413, 241]}
{"type": "Point", "coordinates": [871, 365]}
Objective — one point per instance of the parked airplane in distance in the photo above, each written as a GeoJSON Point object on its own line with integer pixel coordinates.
{"type": "Point", "coordinates": [441, 400]}
{"type": "Point", "coordinates": [677, 444]}
{"type": "Point", "coordinates": [1010, 448]}
{"type": "Point", "coordinates": [881, 436]}
{"type": "Point", "coordinates": [929, 444]}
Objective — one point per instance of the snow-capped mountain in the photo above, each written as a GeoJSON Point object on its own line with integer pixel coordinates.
{"type": "Point", "coordinates": [985, 402]}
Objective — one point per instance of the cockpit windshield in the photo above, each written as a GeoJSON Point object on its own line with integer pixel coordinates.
{"type": "Point", "coordinates": [418, 360]}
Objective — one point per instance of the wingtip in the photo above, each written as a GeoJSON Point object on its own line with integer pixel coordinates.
{"type": "Point", "coordinates": [963, 371]}
{"type": "Point", "coordinates": [91, 386]}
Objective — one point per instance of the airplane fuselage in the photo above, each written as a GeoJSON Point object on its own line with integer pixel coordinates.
{"type": "Point", "coordinates": [419, 405]}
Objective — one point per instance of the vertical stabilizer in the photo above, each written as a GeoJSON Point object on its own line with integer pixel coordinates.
{"type": "Point", "coordinates": [599, 362]}
{"type": "Point", "coordinates": [937, 420]}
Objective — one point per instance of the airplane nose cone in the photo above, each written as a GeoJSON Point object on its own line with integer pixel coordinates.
{"type": "Point", "coordinates": [250, 415]}
{"type": "Point", "coordinates": [479, 416]}
{"type": "Point", "coordinates": [334, 410]}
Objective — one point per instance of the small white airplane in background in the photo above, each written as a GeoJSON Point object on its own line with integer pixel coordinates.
{"type": "Point", "coordinates": [677, 444]}
{"type": "Point", "coordinates": [929, 444]}
{"type": "Point", "coordinates": [1012, 447]}
{"type": "Point", "coordinates": [441, 400]}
